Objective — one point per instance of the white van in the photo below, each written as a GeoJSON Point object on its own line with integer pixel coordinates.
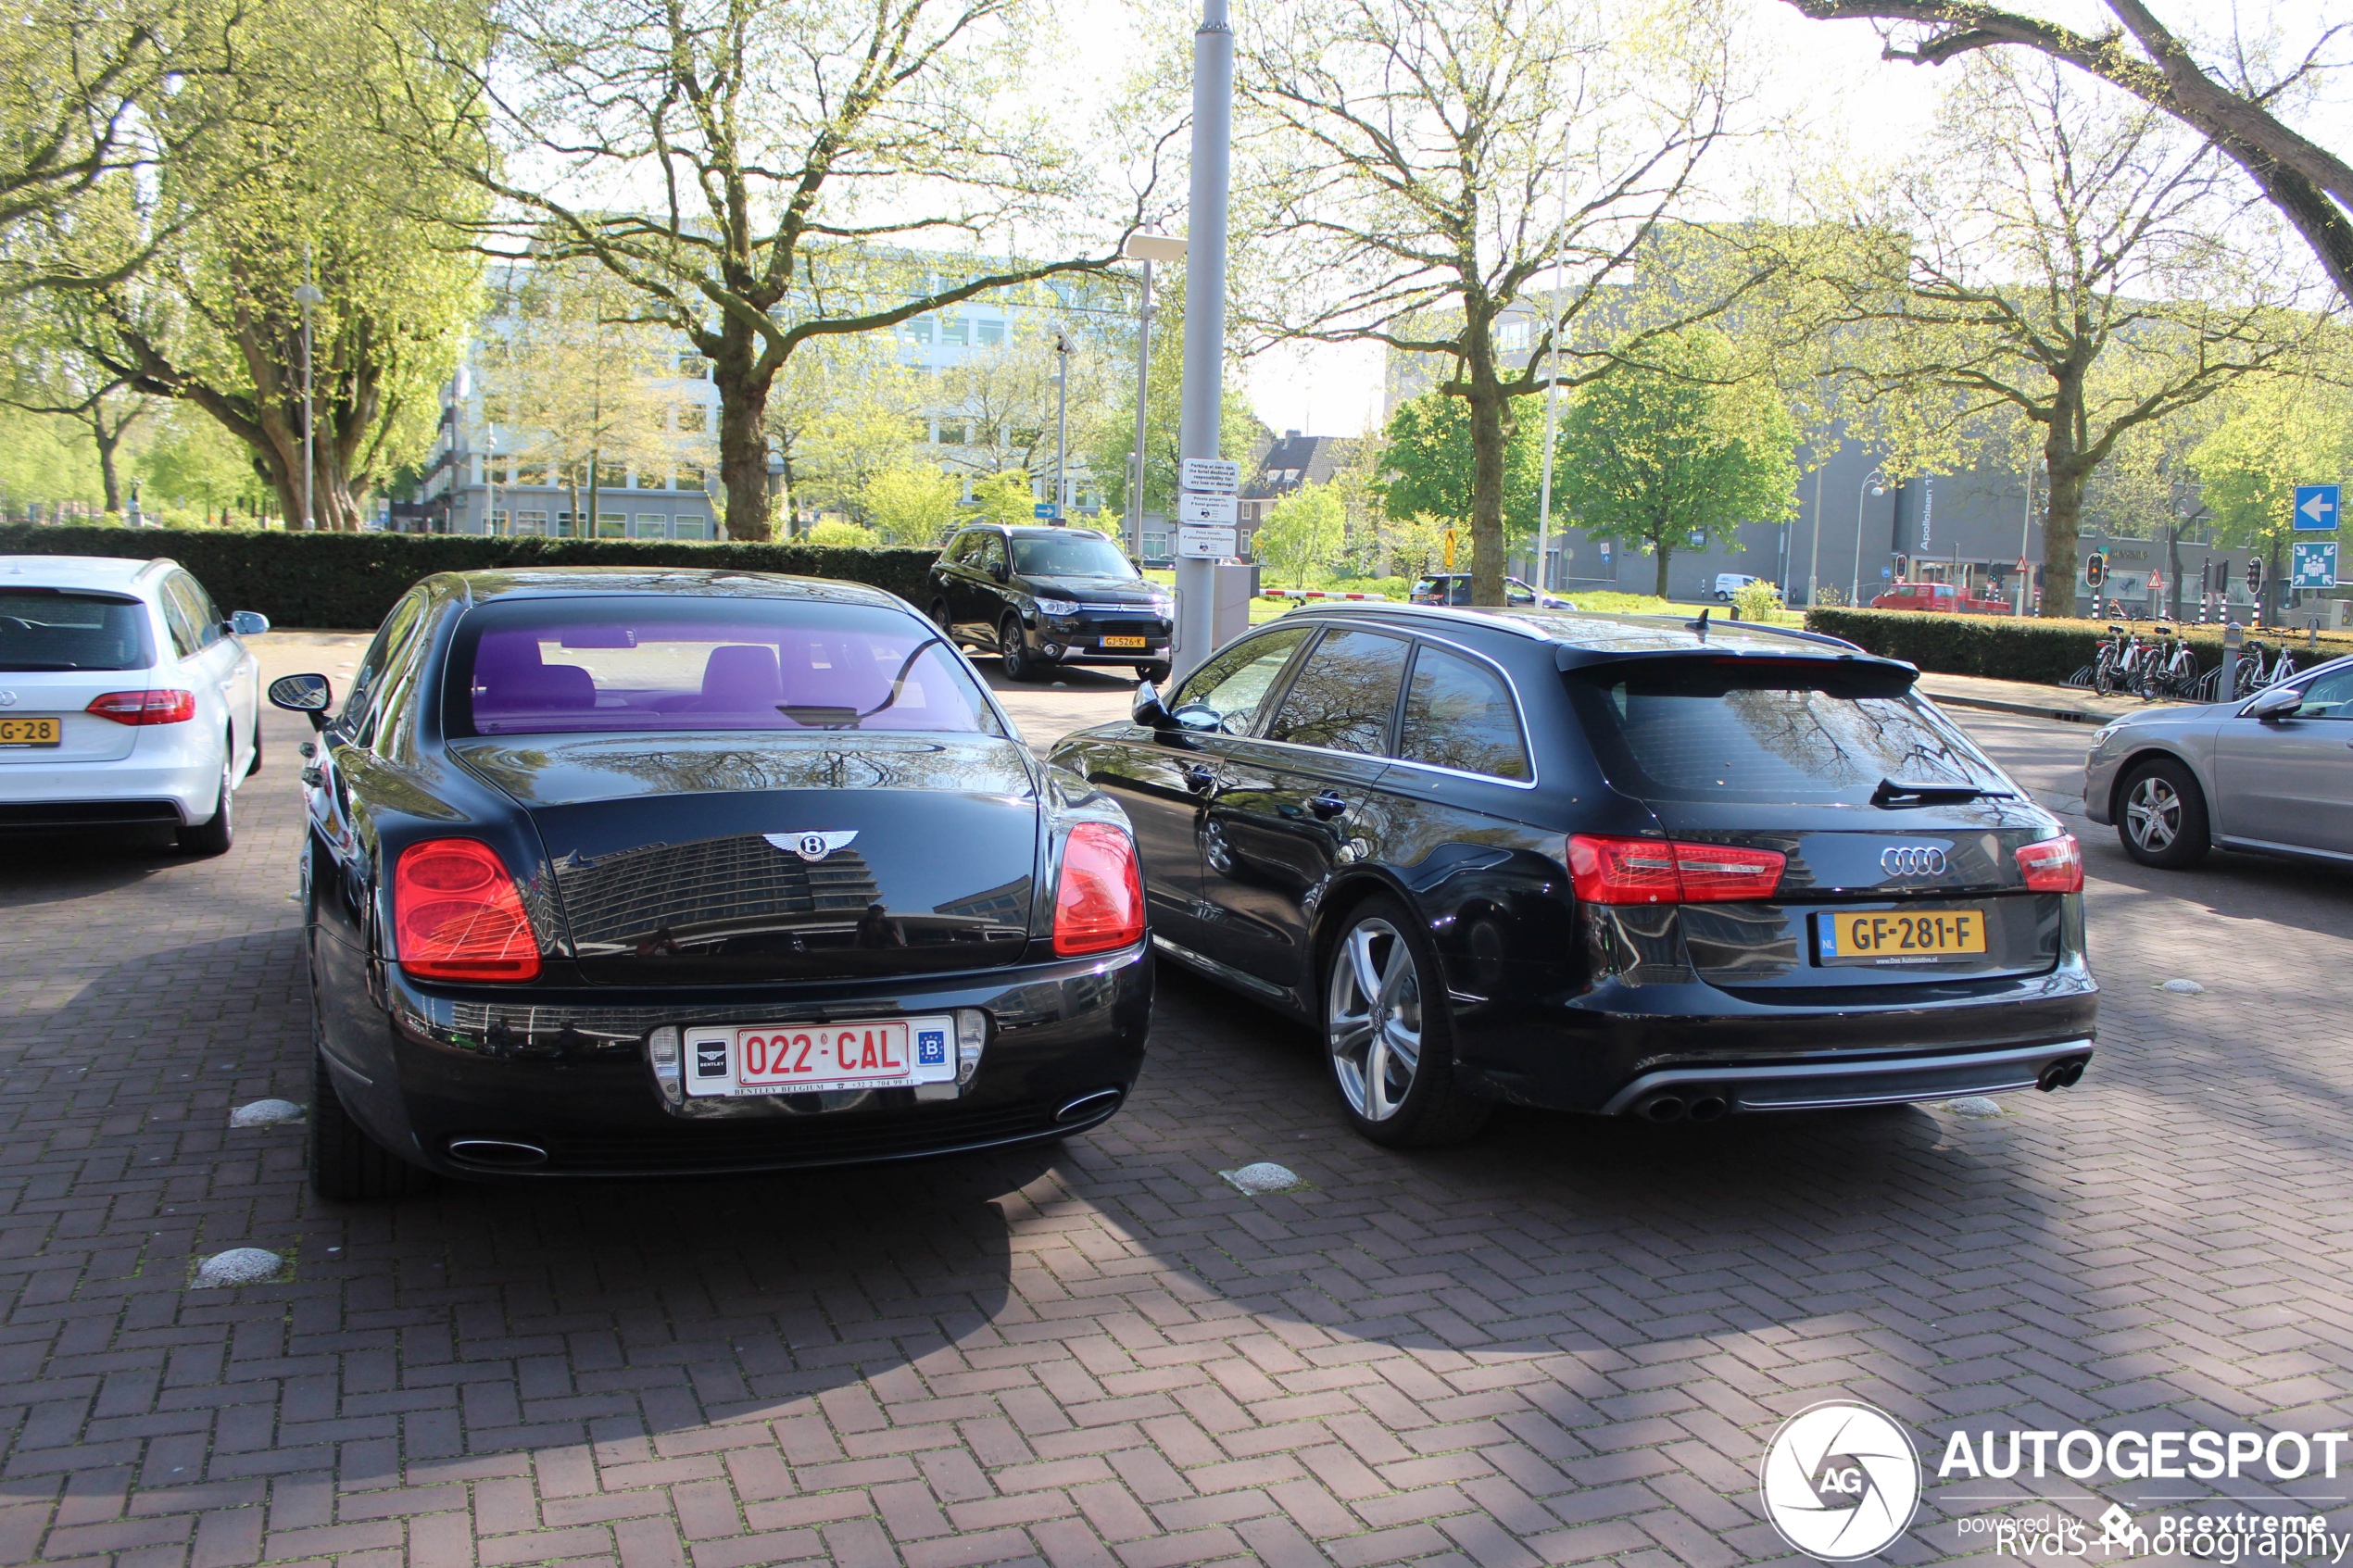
{"type": "Point", "coordinates": [1730, 582]}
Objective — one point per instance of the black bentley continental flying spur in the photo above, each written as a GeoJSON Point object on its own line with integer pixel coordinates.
{"type": "Point", "coordinates": [1642, 866]}
{"type": "Point", "coordinates": [614, 872]}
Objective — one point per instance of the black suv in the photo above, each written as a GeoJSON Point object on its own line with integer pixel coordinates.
{"type": "Point", "coordinates": [1636, 865]}
{"type": "Point", "coordinates": [1051, 596]}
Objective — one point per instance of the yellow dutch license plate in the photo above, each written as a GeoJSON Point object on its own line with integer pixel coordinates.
{"type": "Point", "coordinates": [28, 731]}
{"type": "Point", "coordinates": [1125, 643]}
{"type": "Point", "coordinates": [1885, 937]}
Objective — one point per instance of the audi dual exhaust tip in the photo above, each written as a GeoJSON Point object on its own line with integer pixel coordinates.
{"type": "Point", "coordinates": [2062, 1074]}
{"type": "Point", "coordinates": [1676, 1108]}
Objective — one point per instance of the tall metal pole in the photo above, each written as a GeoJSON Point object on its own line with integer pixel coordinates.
{"type": "Point", "coordinates": [1814, 562]}
{"type": "Point", "coordinates": [1855, 589]}
{"type": "Point", "coordinates": [1143, 387]}
{"type": "Point", "coordinates": [1062, 424]}
{"type": "Point", "coordinates": [1205, 308]}
{"type": "Point", "coordinates": [310, 295]}
{"type": "Point", "coordinates": [1552, 390]}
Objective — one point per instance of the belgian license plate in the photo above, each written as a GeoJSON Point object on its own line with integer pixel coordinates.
{"type": "Point", "coordinates": [1127, 642]}
{"type": "Point", "coordinates": [1885, 937]}
{"type": "Point", "coordinates": [28, 731]}
{"type": "Point", "coordinates": [797, 1059]}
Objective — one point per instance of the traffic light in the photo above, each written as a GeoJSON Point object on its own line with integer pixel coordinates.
{"type": "Point", "coordinates": [2096, 569]}
{"type": "Point", "coordinates": [2255, 574]}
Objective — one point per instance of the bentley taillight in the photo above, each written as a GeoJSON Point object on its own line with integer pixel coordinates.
{"type": "Point", "coordinates": [457, 915]}
{"type": "Point", "coordinates": [1099, 902]}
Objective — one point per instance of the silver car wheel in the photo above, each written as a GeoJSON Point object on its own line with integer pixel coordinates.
{"type": "Point", "coordinates": [2153, 813]}
{"type": "Point", "coordinates": [1374, 1018]}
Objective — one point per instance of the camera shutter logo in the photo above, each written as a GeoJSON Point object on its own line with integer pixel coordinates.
{"type": "Point", "coordinates": [1912, 860]}
{"type": "Point", "coordinates": [1841, 1481]}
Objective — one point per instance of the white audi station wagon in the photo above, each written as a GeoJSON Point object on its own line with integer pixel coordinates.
{"type": "Point", "coordinates": [129, 703]}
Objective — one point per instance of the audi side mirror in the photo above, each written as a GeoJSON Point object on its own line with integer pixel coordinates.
{"type": "Point", "coordinates": [310, 696]}
{"type": "Point", "coordinates": [1150, 711]}
{"type": "Point", "coordinates": [2274, 704]}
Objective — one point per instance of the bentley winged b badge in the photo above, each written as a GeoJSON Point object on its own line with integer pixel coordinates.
{"type": "Point", "coordinates": [811, 846]}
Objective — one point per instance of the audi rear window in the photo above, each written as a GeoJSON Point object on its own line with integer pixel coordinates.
{"type": "Point", "coordinates": [590, 666]}
{"type": "Point", "coordinates": [58, 629]}
{"type": "Point", "coordinates": [1754, 731]}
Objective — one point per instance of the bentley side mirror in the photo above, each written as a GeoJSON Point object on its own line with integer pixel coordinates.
{"type": "Point", "coordinates": [2276, 704]}
{"type": "Point", "coordinates": [308, 695]}
{"type": "Point", "coordinates": [249, 624]}
{"type": "Point", "coordinates": [1149, 710]}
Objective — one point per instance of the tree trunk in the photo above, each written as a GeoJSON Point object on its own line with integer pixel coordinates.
{"type": "Point", "coordinates": [596, 488]}
{"type": "Point", "coordinates": [1490, 431]}
{"type": "Point", "coordinates": [106, 441]}
{"type": "Point", "coordinates": [1664, 552]}
{"type": "Point", "coordinates": [2062, 523]}
{"type": "Point", "coordinates": [743, 440]}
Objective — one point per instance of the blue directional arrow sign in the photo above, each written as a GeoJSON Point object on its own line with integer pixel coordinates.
{"type": "Point", "coordinates": [2316, 507]}
{"type": "Point", "coordinates": [1046, 509]}
{"type": "Point", "coordinates": [2315, 564]}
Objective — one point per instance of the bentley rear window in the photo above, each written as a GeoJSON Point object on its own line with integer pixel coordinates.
{"type": "Point", "coordinates": [601, 665]}
{"type": "Point", "coordinates": [53, 629]}
{"type": "Point", "coordinates": [1768, 731]}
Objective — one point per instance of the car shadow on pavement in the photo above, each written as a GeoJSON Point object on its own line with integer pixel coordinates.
{"type": "Point", "coordinates": [61, 868]}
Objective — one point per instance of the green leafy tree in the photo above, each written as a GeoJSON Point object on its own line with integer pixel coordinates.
{"type": "Point", "coordinates": [1301, 533]}
{"type": "Point", "coordinates": [912, 505]}
{"type": "Point", "coordinates": [1005, 498]}
{"type": "Point", "coordinates": [1112, 453]}
{"type": "Point", "coordinates": [1668, 452]}
{"type": "Point", "coordinates": [1429, 466]}
{"type": "Point", "coordinates": [835, 533]}
{"type": "Point", "coordinates": [2271, 438]}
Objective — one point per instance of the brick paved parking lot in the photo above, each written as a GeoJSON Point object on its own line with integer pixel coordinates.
{"type": "Point", "coordinates": [1568, 1343]}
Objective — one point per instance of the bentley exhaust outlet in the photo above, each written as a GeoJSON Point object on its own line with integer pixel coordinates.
{"type": "Point", "coordinates": [505, 1154]}
{"type": "Point", "coordinates": [1088, 1105]}
{"type": "Point", "coordinates": [1707, 1107]}
{"type": "Point", "coordinates": [1660, 1107]}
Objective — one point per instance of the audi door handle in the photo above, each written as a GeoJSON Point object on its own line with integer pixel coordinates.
{"type": "Point", "coordinates": [1327, 805]}
{"type": "Point", "coordinates": [1200, 779]}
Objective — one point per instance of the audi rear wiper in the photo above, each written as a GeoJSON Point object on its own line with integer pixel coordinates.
{"type": "Point", "coordinates": [1893, 791]}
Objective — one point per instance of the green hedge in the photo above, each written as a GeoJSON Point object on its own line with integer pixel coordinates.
{"type": "Point", "coordinates": [2008, 649]}
{"type": "Point", "coordinates": [347, 581]}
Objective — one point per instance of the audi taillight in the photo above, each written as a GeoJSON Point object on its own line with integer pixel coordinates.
{"type": "Point", "coordinates": [456, 914]}
{"type": "Point", "coordinates": [1099, 902]}
{"type": "Point", "coordinates": [2055, 865]}
{"type": "Point", "coordinates": [144, 707]}
{"type": "Point", "coordinates": [1658, 870]}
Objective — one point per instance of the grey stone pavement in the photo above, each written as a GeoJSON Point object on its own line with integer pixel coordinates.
{"type": "Point", "coordinates": [1566, 1343]}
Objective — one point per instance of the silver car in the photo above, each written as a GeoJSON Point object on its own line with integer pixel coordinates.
{"type": "Point", "coordinates": [2272, 774]}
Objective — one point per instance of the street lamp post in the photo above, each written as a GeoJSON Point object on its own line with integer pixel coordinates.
{"type": "Point", "coordinates": [1205, 308]}
{"type": "Point", "coordinates": [1147, 248]}
{"type": "Point", "coordinates": [1874, 482]}
{"type": "Point", "coordinates": [306, 297]}
{"type": "Point", "coordinates": [1814, 561]}
{"type": "Point", "coordinates": [1062, 424]}
{"type": "Point", "coordinates": [1552, 390]}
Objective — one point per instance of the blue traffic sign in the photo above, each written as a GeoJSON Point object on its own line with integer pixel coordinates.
{"type": "Point", "coordinates": [2315, 507]}
{"type": "Point", "coordinates": [2315, 564]}
{"type": "Point", "coordinates": [1043, 508]}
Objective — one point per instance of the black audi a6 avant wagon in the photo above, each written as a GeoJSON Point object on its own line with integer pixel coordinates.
{"type": "Point", "coordinates": [615, 872]}
{"type": "Point", "coordinates": [1636, 865]}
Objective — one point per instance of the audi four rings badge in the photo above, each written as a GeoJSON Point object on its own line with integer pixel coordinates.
{"type": "Point", "coordinates": [1912, 860]}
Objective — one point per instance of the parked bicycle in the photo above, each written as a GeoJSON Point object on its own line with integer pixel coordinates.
{"type": "Point", "coordinates": [2170, 669]}
{"type": "Point", "coordinates": [2255, 674]}
{"type": "Point", "coordinates": [2119, 664]}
